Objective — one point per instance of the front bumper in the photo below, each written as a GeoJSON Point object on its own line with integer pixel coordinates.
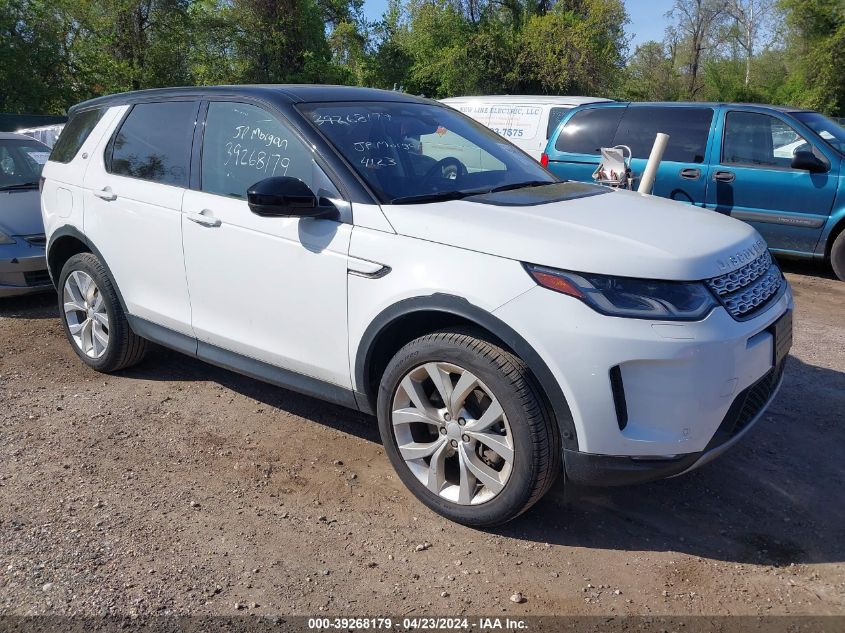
{"type": "Point", "coordinates": [23, 270]}
{"type": "Point", "coordinates": [680, 382]}
{"type": "Point", "coordinates": [615, 470]}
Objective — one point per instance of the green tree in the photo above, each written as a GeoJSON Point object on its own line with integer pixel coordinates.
{"type": "Point", "coordinates": [32, 57]}
{"type": "Point", "coordinates": [651, 75]}
{"type": "Point", "coordinates": [576, 48]}
{"type": "Point", "coordinates": [817, 46]}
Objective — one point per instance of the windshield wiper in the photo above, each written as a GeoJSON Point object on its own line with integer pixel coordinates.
{"type": "Point", "coordinates": [22, 185]}
{"type": "Point", "coordinates": [435, 197]}
{"type": "Point", "coordinates": [523, 185]}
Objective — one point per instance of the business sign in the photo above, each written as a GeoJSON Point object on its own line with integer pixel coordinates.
{"type": "Point", "coordinates": [510, 121]}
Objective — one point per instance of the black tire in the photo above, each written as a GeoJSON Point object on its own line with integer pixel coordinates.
{"type": "Point", "coordinates": [536, 440]}
{"type": "Point", "coordinates": [124, 348]}
{"type": "Point", "coordinates": [837, 256]}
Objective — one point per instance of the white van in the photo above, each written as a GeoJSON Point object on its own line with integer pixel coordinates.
{"type": "Point", "coordinates": [525, 120]}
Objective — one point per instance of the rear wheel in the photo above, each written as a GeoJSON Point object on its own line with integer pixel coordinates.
{"type": "Point", "coordinates": [93, 319]}
{"type": "Point", "coordinates": [466, 429]}
{"type": "Point", "coordinates": [837, 256]}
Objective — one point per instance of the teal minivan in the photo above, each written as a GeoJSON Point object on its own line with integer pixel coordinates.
{"type": "Point", "coordinates": [780, 169]}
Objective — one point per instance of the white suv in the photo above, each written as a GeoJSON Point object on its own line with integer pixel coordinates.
{"type": "Point", "coordinates": [501, 324]}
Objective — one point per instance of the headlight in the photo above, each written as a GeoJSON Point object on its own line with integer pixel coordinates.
{"type": "Point", "coordinates": [5, 239]}
{"type": "Point", "coordinates": [627, 297]}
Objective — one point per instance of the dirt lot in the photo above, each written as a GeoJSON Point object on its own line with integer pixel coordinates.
{"type": "Point", "coordinates": [181, 488]}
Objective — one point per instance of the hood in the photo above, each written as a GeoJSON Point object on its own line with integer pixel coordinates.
{"type": "Point", "coordinates": [20, 212]}
{"type": "Point", "coordinates": [621, 233]}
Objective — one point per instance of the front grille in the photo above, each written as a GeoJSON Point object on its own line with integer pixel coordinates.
{"type": "Point", "coordinates": [36, 240]}
{"type": "Point", "coordinates": [36, 277]}
{"type": "Point", "coordinates": [747, 405]}
{"type": "Point", "coordinates": [749, 289]}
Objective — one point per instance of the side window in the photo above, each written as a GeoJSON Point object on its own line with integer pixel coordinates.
{"type": "Point", "coordinates": [244, 144]}
{"type": "Point", "coordinates": [589, 130]}
{"type": "Point", "coordinates": [759, 139]}
{"type": "Point", "coordinates": [555, 116]}
{"type": "Point", "coordinates": [688, 130]}
{"type": "Point", "coordinates": [74, 134]}
{"type": "Point", "coordinates": [154, 143]}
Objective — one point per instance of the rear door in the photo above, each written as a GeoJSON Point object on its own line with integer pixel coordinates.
{"type": "Point", "coordinates": [682, 174]}
{"type": "Point", "coordinates": [133, 209]}
{"type": "Point", "coordinates": [752, 180]}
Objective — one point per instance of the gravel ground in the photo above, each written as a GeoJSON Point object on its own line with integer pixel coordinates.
{"type": "Point", "coordinates": [178, 487]}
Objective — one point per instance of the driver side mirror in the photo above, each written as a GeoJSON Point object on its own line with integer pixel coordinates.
{"type": "Point", "coordinates": [808, 161]}
{"type": "Point", "coordinates": [284, 196]}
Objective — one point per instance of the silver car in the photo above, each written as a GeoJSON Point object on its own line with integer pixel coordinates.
{"type": "Point", "coordinates": [23, 267]}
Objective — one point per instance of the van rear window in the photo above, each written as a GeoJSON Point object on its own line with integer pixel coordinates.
{"type": "Point", "coordinates": [589, 130]}
{"type": "Point", "coordinates": [74, 135]}
{"type": "Point", "coordinates": [688, 130]}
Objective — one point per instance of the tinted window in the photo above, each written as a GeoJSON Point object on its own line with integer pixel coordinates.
{"type": "Point", "coordinates": [555, 116]}
{"type": "Point", "coordinates": [759, 139]}
{"type": "Point", "coordinates": [244, 144]}
{"type": "Point", "coordinates": [409, 152]}
{"type": "Point", "coordinates": [688, 129]}
{"type": "Point", "coordinates": [74, 134]}
{"type": "Point", "coordinates": [832, 132]}
{"type": "Point", "coordinates": [154, 143]}
{"type": "Point", "coordinates": [589, 130]}
{"type": "Point", "coordinates": [21, 162]}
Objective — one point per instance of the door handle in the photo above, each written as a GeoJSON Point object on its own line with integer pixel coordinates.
{"type": "Point", "coordinates": [204, 218]}
{"type": "Point", "coordinates": [105, 194]}
{"type": "Point", "coordinates": [690, 173]}
{"type": "Point", "coordinates": [724, 176]}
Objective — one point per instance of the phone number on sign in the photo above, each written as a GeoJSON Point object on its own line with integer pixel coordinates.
{"type": "Point", "coordinates": [388, 623]}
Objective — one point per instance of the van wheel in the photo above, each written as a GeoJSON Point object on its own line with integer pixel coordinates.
{"type": "Point", "coordinates": [464, 425]}
{"type": "Point", "coordinates": [837, 256]}
{"type": "Point", "coordinates": [93, 320]}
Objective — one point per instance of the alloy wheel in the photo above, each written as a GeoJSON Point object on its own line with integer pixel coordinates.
{"type": "Point", "coordinates": [85, 314]}
{"type": "Point", "coordinates": [452, 433]}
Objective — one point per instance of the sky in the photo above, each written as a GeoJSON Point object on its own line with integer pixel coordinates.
{"type": "Point", "coordinates": [648, 19]}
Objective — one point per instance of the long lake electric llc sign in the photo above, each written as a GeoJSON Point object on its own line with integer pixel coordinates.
{"type": "Point", "coordinates": [517, 121]}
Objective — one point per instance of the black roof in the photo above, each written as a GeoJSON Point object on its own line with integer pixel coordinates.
{"type": "Point", "coordinates": [287, 93]}
{"type": "Point", "coordinates": [705, 104]}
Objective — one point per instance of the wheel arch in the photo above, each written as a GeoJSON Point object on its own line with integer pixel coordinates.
{"type": "Point", "coordinates": [408, 319]}
{"type": "Point", "coordinates": [67, 241]}
{"type": "Point", "coordinates": [838, 227]}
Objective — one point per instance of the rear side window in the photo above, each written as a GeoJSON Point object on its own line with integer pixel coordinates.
{"type": "Point", "coordinates": [589, 130]}
{"type": "Point", "coordinates": [74, 134]}
{"type": "Point", "coordinates": [555, 116]}
{"type": "Point", "coordinates": [688, 130]}
{"type": "Point", "coordinates": [154, 143]}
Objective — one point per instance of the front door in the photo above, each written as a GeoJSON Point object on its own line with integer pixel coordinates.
{"type": "Point", "coordinates": [752, 180]}
{"type": "Point", "coordinates": [269, 288]}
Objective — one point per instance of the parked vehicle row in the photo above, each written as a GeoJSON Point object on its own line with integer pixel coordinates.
{"type": "Point", "coordinates": [23, 266]}
{"type": "Point", "coordinates": [502, 325]}
{"type": "Point", "coordinates": [779, 169]}
{"type": "Point", "coordinates": [527, 121]}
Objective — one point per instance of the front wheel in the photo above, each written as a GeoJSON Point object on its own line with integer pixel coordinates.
{"type": "Point", "coordinates": [464, 425]}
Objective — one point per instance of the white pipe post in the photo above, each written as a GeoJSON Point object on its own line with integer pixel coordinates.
{"type": "Point", "coordinates": [650, 171]}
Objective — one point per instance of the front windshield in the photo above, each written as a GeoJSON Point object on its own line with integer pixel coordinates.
{"type": "Point", "coordinates": [829, 130]}
{"type": "Point", "coordinates": [413, 152]}
{"type": "Point", "coordinates": [21, 161]}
